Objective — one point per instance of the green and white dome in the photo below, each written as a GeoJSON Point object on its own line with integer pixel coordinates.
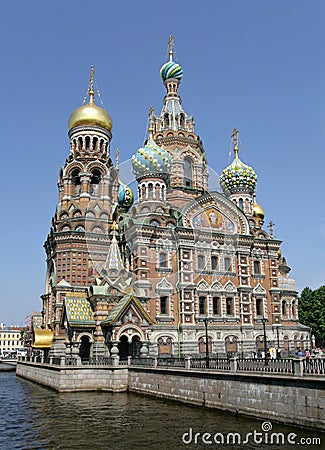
{"type": "Point", "coordinates": [238, 177]}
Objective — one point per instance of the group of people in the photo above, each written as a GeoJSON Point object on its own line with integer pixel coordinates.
{"type": "Point", "coordinates": [308, 353]}
{"type": "Point", "coordinates": [272, 353]}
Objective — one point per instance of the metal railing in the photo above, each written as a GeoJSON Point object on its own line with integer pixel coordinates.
{"type": "Point", "coordinates": [97, 361]}
{"type": "Point", "coordinates": [144, 362]}
{"type": "Point", "coordinates": [212, 363]}
{"type": "Point", "coordinates": [269, 365]}
{"type": "Point", "coordinates": [291, 366]}
{"type": "Point", "coordinates": [171, 362]}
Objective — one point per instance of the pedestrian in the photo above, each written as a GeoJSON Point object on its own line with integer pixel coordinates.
{"type": "Point", "coordinates": [307, 356]}
{"type": "Point", "coordinates": [278, 353]}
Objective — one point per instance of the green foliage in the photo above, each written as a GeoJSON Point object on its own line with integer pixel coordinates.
{"type": "Point", "coordinates": [312, 312]}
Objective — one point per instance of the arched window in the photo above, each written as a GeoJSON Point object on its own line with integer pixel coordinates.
{"type": "Point", "coordinates": [200, 262]}
{"type": "Point", "coordinates": [150, 190]}
{"type": "Point", "coordinates": [181, 120]}
{"type": "Point", "coordinates": [214, 262]}
{"type": "Point", "coordinates": [75, 178]}
{"type": "Point", "coordinates": [163, 304]}
{"type": "Point", "coordinates": [257, 267]}
{"type": "Point", "coordinates": [162, 260]}
{"type": "Point", "coordinates": [229, 306]}
{"type": "Point", "coordinates": [228, 264]}
{"type": "Point", "coordinates": [94, 181]}
{"type": "Point", "coordinates": [216, 306]}
{"type": "Point", "coordinates": [259, 307]}
{"type": "Point", "coordinates": [202, 305]}
{"type": "Point", "coordinates": [166, 119]}
{"type": "Point", "coordinates": [241, 204]}
{"type": "Point", "coordinates": [188, 172]}
{"type": "Point", "coordinates": [284, 308]}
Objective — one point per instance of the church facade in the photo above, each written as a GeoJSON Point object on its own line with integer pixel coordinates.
{"type": "Point", "coordinates": [161, 270]}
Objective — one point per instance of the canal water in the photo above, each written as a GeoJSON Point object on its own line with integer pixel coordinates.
{"type": "Point", "coordinates": [34, 417]}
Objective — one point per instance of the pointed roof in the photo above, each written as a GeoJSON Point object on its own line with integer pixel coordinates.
{"type": "Point", "coordinates": [114, 259]}
{"type": "Point", "coordinates": [121, 307]}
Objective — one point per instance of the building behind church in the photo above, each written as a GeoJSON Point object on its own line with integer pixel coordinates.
{"type": "Point", "coordinates": [148, 272]}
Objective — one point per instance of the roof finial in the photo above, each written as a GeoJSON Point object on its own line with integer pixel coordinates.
{"type": "Point", "coordinates": [91, 84]}
{"type": "Point", "coordinates": [170, 45]}
{"type": "Point", "coordinates": [235, 138]}
{"type": "Point", "coordinates": [151, 127]}
{"type": "Point", "coordinates": [116, 158]}
{"type": "Point", "coordinates": [271, 228]}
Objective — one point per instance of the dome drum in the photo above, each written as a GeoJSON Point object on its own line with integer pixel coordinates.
{"type": "Point", "coordinates": [82, 129]}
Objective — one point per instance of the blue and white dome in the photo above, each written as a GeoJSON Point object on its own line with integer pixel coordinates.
{"type": "Point", "coordinates": [151, 159]}
{"type": "Point", "coordinates": [125, 196]}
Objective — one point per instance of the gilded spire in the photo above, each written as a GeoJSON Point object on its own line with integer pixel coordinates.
{"type": "Point", "coordinates": [170, 45]}
{"type": "Point", "coordinates": [91, 84]}
{"type": "Point", "coordinates": [151, 126]}
{"type": "Point", "coordinates": [235, 138]}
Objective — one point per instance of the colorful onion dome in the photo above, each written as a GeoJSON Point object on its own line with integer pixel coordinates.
{"type": "Point", "coordinates": [125, 196]}
{"type": "Point", "coordinates": [238, 177]}
{"type": "Point", "coordinates": [171, 70]}
{"type": "Point", "coordinates": [151, 159]}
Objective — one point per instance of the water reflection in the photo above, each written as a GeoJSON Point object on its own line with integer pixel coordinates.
{"type": "Point", "coordinates": [34, 417]}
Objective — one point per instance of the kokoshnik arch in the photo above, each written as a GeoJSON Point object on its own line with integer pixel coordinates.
{"type": "Point", "coordinates": [142, 276]}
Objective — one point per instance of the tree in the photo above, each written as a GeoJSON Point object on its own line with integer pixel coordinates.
{"type": "Point", "coordinates": [312, 312]}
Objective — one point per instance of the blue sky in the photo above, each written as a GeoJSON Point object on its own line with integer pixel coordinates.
{"type": "Point", "coordinates": [254, 65]}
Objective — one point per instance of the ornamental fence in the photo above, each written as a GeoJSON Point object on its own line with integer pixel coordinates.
{"type": "Point", "coordinates": [290, 366]}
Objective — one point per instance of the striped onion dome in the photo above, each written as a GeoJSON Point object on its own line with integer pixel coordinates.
{"type": "Point", "coordinates": [171, 70]}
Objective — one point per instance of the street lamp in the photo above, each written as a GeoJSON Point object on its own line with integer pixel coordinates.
{"type": "Point", "coordinates": [206, 320]}
{"type": "Point", "coordinates": [264, 320]}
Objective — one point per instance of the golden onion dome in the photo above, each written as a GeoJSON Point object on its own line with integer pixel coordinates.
{"type": "Point", "coordinates": [258, 211]}
{"type": "Point", "coordinates": [90, 114]}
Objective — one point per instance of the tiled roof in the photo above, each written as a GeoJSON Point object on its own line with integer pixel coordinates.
{"type": "Point", "coordinates": [78, 311]}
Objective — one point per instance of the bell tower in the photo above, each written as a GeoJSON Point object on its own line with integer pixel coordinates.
{"type": "Point", "coordinates": [174, 132]}
{"type": "Point", "coordinates": [77, 244]}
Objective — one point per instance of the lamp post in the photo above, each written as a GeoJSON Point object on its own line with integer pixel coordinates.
{"type": "Point", "coordinates": [206, 320]}
{"type": "Point", "coordinates": [264, 320]}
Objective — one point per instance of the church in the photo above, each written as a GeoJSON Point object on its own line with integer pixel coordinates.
{"type": "Point", "coordinates": [173, 268]}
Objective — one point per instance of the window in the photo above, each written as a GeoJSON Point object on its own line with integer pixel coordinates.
{"type": "Point", "coordinates": [216, 306]}
{"type": "Point", "coordinates": [202, 305]}
{"type": "Point", "coordinates": [241, 204]}
{"type": "Point", "coordinates": [257, 267]}
{"type": "Point", "coordinates": [229, 306]}
{"type": "Point", "coordinates": [188, 175]}
{"type": "Point", "coordinates": [163, 305]}
{"type": "Point", "coordinates": [163, 260]}
{"type": "Point", "coordinates": [259, 307]}
{"type": "Point", "coordinates": [214, 262]}
{"type": "Point", "coordinates": [200, 262]}
{"type": "Point", "coordinates": [284, 308]}
{"type": "Point", "coordinates": [228, 264]}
